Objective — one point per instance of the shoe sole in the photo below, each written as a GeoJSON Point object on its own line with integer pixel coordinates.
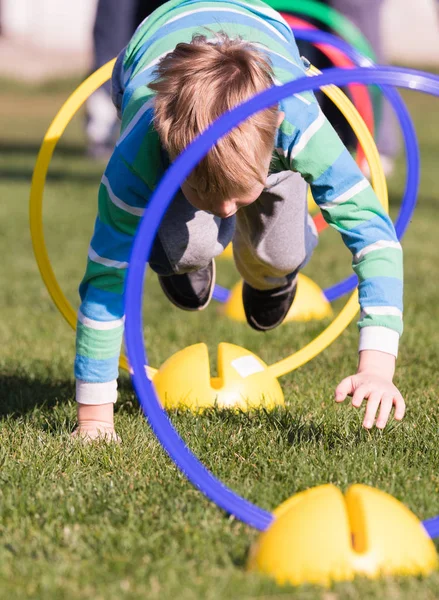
{"type": "Point", "coordinates": [263, 328]}
{"type": "Point", "coordinates": [203, 306]}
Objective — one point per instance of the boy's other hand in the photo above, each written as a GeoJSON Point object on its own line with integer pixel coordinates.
{"type": "Point", "coordinates": [373, 382]}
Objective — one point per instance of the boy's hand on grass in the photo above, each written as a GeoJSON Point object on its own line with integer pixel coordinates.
{"type": "Point", "coordinates": [373, 382]}
{"type": "Point", "coordinates": [96, 423]}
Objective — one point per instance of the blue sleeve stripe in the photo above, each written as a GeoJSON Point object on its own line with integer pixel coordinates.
{"type": "Point", "coordinates": [299, 117]}
{"type": "Point", "coordinates": [378, 229]}
{"type": "Point", "coordinates": [125, 206]}
{"type": "Point", "coordinates": [93, 370]}
{"type": "Point", "coordinates": [100, 305]}
{"type": "Point", "coordinates": [110, 245]}
{"type": "Point", "coordinates": [282, 63]}
{"type": "Point", "coordinates": [381, 291]}
{"type": "Point", "coordinates": [306, 135]}
{"type": "Point", "coordinates": [133, 135]}
{"type": "Point", "coordinates": [96, 258]}
{"type": "Point", "coordinates": [351, 194]}
{"type": "Point", "coordinates": [340, 177]}
{"type": "Point", "coordinates": [378, 247]}
{"type": "Point", "coordinates": [141, 79]}
{"type": "Point", "coordinates": [125, 184]}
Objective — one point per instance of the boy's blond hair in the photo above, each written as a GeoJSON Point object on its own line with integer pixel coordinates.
{"type": "Point", "coordinates": [198, 82]}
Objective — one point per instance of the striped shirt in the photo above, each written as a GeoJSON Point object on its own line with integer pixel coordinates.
{"type": "Point", "coordinates": [305, 142]}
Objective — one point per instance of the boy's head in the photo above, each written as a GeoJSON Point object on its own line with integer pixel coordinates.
{"type": "Point", "coordinates": [198, 82]}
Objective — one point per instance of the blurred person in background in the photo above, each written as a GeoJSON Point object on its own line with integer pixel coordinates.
{"type": "Point", "coordinates": [115, 23]}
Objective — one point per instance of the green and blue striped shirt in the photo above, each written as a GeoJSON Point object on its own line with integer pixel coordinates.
{"type": "Point", "coordinates": [305, 142]}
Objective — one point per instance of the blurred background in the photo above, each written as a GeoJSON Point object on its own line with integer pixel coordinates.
{"type": "Point", "coordinates": [45, 38]}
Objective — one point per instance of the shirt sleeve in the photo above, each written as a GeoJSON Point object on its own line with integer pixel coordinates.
{"type": "Point", "coordinates": [123, 196]}
{"type": "Point", "coordinates": [309, 145]}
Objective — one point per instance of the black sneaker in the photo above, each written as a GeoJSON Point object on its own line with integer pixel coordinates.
{"type": "Point", "coordinates": [266, 309]}
{"type": "Point", "coordinates": [190, 291]}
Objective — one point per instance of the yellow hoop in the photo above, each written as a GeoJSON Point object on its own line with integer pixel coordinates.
{"type": "Point", "coordinates": [57, 128]}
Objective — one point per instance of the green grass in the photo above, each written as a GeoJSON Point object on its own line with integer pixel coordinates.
{"type": "Point", "coordinates": [120, 521]}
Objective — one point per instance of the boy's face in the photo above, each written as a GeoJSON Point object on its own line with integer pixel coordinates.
{"type": "Point", "coordinates": [224, 208]}
{"type": "Point", "coordinates": [229, 207]}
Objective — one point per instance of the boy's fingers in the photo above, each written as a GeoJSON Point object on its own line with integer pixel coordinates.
{"type": "Point", "coordinates": [399, 407]}
{"type": "Point", "coordinates": [371, 409]}
{"type": "Point", "coordinates": [344, 388]}
{"type": "Point", "coordinates": [385, 410]}
{"type": "Point", "coordinates": [359, 395]}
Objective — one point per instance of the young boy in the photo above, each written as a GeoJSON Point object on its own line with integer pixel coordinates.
{"type": "Point", "coordinates": [190, 61]}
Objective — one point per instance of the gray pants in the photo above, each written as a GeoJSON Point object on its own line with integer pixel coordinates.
{"type": "Point", "coordinates": [272, 238]}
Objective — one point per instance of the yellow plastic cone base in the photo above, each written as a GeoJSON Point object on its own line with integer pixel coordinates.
{"type": "Point", "coordinates": [320, 536]}
{"type": "Point", "coordinates": [243, 380]}
{"type": "Point", "coordinates": [309, 304]}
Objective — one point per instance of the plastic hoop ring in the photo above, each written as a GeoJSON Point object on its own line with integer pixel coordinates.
{"type": "Point", "coordinates": [411, 187]}
{"type": "Point", "coordinates": [66, 113]}
{"type": "Point", "coordinates": [347, 314]}
{"type": "Point", "coordinates": [329, 17]}
{"type": "Point", "coordinates": [359, 94]}
{"type": "Point", "coordinates": [224, 497]}
{"type": "Point", "coordinates": [410, 195]}
{"type": "Point", "coordinates": [338, 23]}
{"type": "Point", "coordinates": [53, 134]}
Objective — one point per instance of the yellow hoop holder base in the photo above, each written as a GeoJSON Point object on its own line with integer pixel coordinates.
{"type": "Point", "coordinates": [244, 381]}
{"type": "Point", "coordinates": [309, 304]}
{"type": "Point", "coordinates": [320, 536]}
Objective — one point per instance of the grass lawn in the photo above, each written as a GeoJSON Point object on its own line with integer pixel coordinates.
{"type": "Point", "coordinates": [107, 522]}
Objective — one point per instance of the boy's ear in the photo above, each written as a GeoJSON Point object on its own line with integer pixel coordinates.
{"type": "Point", "coordinates": [280, 118]}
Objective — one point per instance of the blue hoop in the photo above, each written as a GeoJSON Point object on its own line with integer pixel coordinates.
{"type": "Point", "coordinates": [408, 204]}
{"type": "Point", "coordinates": [185, 460]}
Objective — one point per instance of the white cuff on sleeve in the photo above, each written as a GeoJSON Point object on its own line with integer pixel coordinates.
{"type": "Point", "coordinates": [378, 338]}
{"type": "Point", "coordinates": [96, 393]}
